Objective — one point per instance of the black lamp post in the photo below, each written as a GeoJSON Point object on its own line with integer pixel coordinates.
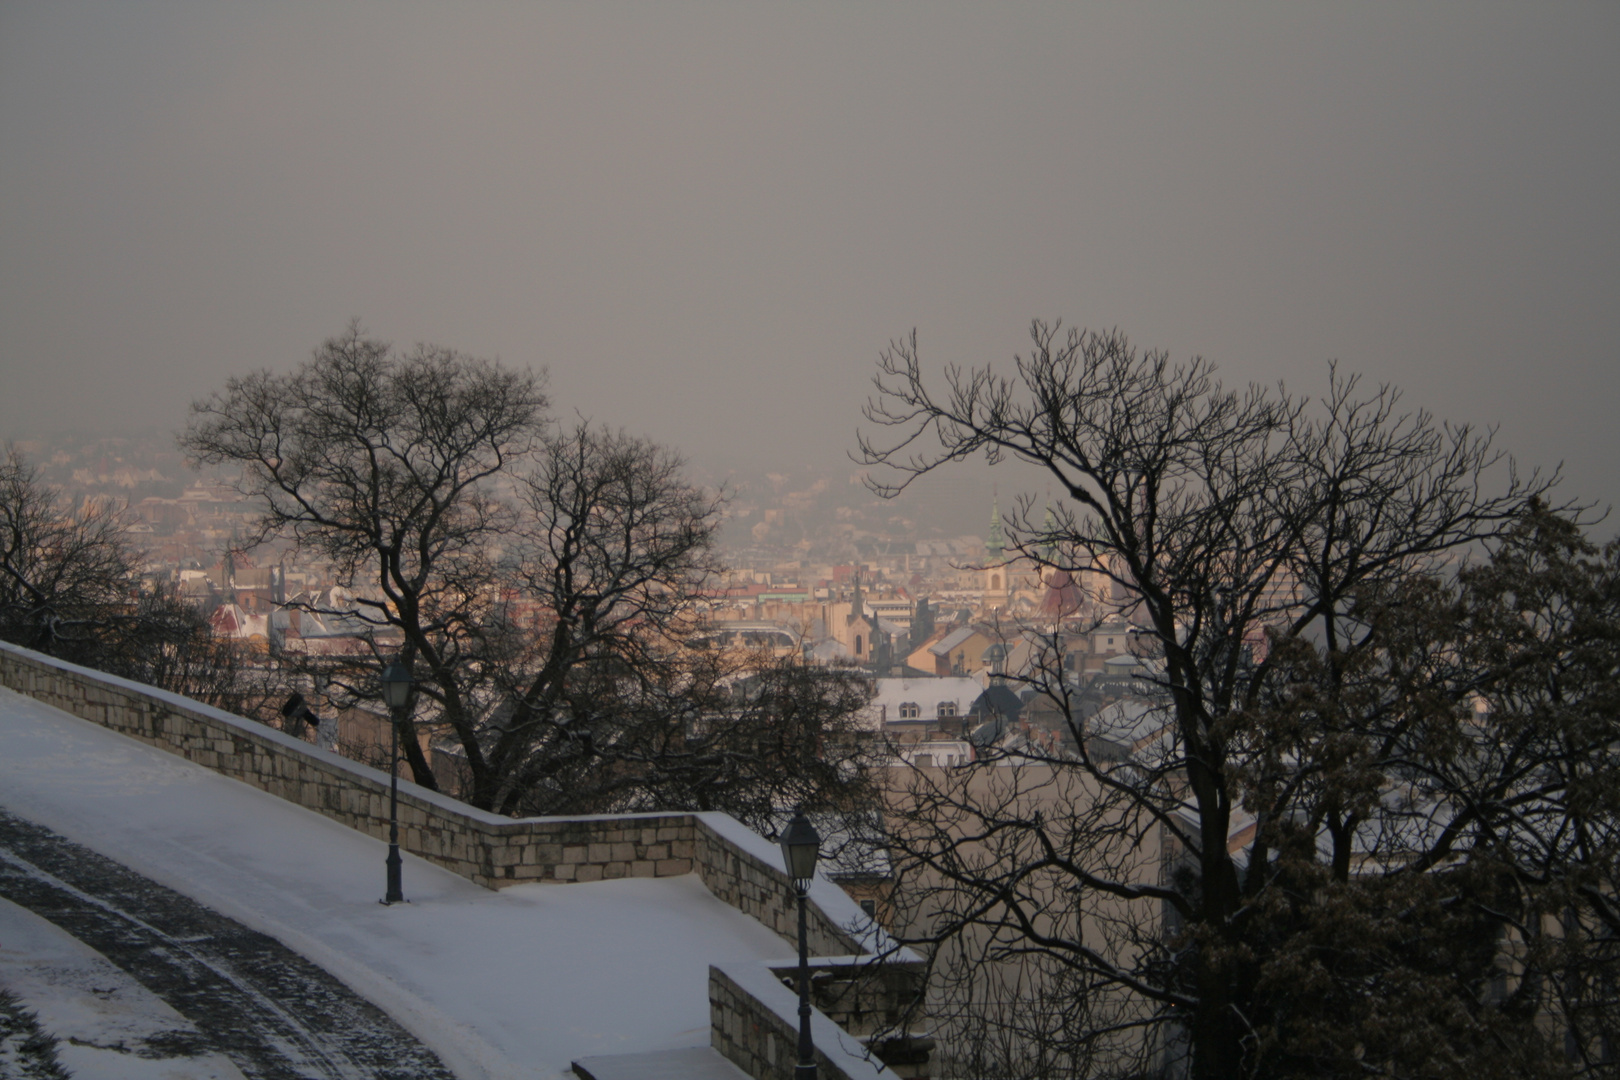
{"type": "Point", "coordinates": [801, 845]}
{"type": "Point", "coordinates": [396, 688]}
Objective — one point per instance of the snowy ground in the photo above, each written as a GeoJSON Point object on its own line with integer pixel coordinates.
{"type": "Point", "coordinates": [104, 1019]}
{"type": "Point", "coordinates": [501, 985]}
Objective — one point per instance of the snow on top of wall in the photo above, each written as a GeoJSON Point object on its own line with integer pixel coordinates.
{"type": "Point", "coordinates": [502, 985]}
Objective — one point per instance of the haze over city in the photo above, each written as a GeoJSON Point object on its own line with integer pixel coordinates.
{"type": "Point", "coordinates": [706, 220]}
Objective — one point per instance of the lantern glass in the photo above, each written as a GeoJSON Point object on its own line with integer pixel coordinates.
{"type": "Point", "coordinates": [396, 685]}
{"type": "Point", "coordinates": [801, 846]}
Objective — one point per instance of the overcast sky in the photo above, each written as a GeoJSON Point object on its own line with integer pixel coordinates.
{"type": "Point", "coordinates": [707, 219]}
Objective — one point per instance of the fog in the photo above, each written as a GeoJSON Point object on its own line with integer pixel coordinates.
{"type": "Point", "coordinates": [707, 219]}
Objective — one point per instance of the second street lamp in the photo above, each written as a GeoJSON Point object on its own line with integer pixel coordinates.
{"type": "Point", "coordinates": [396, 688]}
{"type": "Point", "coordinates": [801, 846]}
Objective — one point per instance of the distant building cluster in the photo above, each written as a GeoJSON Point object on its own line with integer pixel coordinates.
{"type": "Point", "coordinates": [954, 634]}
{"type": "Point", "coordinates": [952, 630]}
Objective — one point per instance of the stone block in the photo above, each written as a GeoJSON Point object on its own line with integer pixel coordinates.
{"type": "Point", "coordinates": [672, 867]}
{"type": "Point", "coordinates": [588, 872]}
{"type": "Point", "coordinates": [643, 868]}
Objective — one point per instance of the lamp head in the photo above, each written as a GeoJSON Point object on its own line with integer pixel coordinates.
{"type": "Point", "coordinates": [396, 685]}
{"type": "Point", "coordinates": [801, 846]}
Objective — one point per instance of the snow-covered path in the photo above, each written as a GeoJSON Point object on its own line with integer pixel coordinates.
{"type": "Point", "coordinates": [514, 984]}
{"type": "Point", "coordinates": [107, 1025]}
{"type": "Point", "coordinates": [245, 995]}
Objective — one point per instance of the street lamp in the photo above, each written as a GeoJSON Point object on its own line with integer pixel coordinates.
{"type": "Point", "coordinates": [396, 688]}
{"type": "Point", "coordinates": [801, 845]}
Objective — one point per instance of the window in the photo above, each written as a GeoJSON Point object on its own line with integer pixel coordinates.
{"type": "Point", "coordinates": [909, 710]}
{"type": "Point", "coordinates": [946, 708]}
{"type": "Point", "coordinates": [869, 906]}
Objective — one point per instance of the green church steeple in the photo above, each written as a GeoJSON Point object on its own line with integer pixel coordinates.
{"type": "Point", "coordinates": [995, 544]}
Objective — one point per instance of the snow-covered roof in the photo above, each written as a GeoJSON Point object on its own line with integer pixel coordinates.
{"type": "Point", "coordinates": [829, 650]}
{"type": "Point", "coordinates": [926, 692]}
{"type": "Point", "coordinates": [893, 629]}
{"type": "Point", "coordinates": [230, 620]}
{"type": "Point", "coordinates": [1131, 723]}
{"type": "Point", "coordinates": [952, 640]}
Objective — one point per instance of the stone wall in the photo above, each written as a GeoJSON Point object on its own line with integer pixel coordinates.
{"type": "Point", "coordinates": [491, 850]}
{"type": "Point", "coordinates": [859, 1005]}
{"type": "Point", "coordinates": [763, 1042]}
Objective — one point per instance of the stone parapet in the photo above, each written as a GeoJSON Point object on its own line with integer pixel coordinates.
{"type": "Point", "coordinates": [738, 867]}
{"type": "Point", "coordinates": [753, 1023]}
{"type": "Point", "coordinates": [858, 1007]}
{"type": "Point", "coordinates": [754, 1017]}
{"type": "Point", "coordinates": [494, 851]}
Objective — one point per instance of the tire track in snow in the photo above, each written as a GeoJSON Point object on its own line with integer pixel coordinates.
{"type": "Point", "coordinates": [276, 1015]}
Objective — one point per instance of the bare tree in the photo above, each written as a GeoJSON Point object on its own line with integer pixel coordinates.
{"type": "Point", "coordinates": [167, 642]}
{"type": "Point", "coordinates": [610, 709]}
{"type": "Point", "coordinates": [708, 732]}
{"type": "Point", "coordinates": [384, 464]}
{"type": "Point", "coordinates": [541, 582]}
{"type": "Point", "coordinates": [67, 578]}
{"type": "Point", "coordinates": [70, 586]}
{"type": "Point", "coordinates": [1032, 974]}
{"type": "Point", "coordinates": [614, 547]}
{"type": "Point", "coordinates": [1257, 541]}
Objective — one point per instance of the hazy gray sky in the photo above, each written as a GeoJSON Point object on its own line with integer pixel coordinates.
{"type": "Point", "coordinates": [707, 219]}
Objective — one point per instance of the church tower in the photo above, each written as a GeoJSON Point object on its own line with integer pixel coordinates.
{"type": "Point", "coordinates": [994, 576]}
{"type": "Point", "coordinates": [995, 544]}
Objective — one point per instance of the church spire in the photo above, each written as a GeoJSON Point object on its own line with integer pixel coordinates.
{"type": "Point", "coordinates": [995, 545]}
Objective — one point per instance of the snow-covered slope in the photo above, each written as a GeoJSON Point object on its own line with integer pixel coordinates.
{"type": "Point", "coordinates": [502, 985]}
